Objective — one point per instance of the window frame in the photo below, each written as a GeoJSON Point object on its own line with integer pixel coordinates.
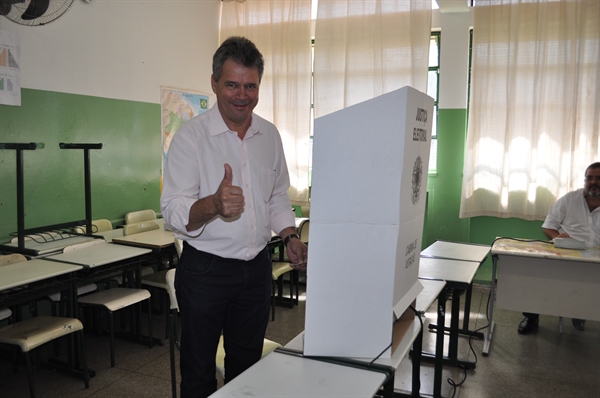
{"type": "Point", "coordinates": [433, 159]}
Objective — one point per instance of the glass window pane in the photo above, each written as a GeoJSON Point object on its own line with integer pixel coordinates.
{"type": "Point", "coordinates": [433, 156]}
{"type": "Point", "coordinates": [432, 83]}
{"type": "Point", "coordinates": [433, 51]}
{"type": "Point", "coordinates": [434, 124]}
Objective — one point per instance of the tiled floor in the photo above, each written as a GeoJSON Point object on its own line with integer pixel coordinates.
{"type": "Point", "coordinates": [544, 364]}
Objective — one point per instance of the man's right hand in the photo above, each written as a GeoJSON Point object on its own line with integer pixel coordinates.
{"type": "Point", "coordinates": [552, 233]}
{"type": "Point", "coordinates": [229, 198]}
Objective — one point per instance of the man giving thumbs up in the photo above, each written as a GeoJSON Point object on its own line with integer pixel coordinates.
{"type": "Point", "coordinates": [224, 190]}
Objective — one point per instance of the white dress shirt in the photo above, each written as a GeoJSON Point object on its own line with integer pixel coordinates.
{"type": "Point", "coordinates": [194, 169]}
{"type": "Point", "coordinates": [572, 215]}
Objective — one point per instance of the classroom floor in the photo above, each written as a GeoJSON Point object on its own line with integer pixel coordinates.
{"type": "Point", "coordinates": [543, 364]}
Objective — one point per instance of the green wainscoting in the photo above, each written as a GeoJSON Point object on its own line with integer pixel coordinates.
{"type": "Point", "coordinates": [125, 173]}
{"type": "Point", "coordinates": [486, 229]}
{"type": "Point", "coordinates": [444, 190]}
{"type": "Point", "coordinates": [443, 202]}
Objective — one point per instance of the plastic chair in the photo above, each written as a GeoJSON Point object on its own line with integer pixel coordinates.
{"type": "Point", "coordinates": [130, 229]}
{"type": "Point", "coordinates": [58, 299]}
{"type": "Point", "coordinates": [268, 347]}
{"type": "Point", "coordinates": [12, 259]}
{"type": "Point", "coordinates": [100, 225]}
{"type": "Point", "coordinates": [34, 332]}
{"type": "Point", "coordinates": [5, 313]}
{"type": "Point", "coordinates": [305, 211]}
{"type": "Point", "coordinates": [279, 270]}
{"type": "Point", "coordinates": [113, 300]}
{"type": "Point", "coordinates": [6, 260]}
{"type": "Point", "coordinates": [136, 228]}
{"type": "Point", "coordinates": [134, 217]}
{"type": "Point", "coordinates": [178, 246]}
{"type": "Point", "coordinates": [303, 231]}
{"type": "Point", "coordinates": [157, 280]}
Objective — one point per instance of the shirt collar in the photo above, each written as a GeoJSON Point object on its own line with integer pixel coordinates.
{"type": "Point", "coordinates": [217, 124]}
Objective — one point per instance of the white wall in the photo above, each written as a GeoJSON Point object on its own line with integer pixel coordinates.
{"type": "Point", "coordinates": [454, 57]}
{"type": "Point", "coordinates": [122, 49]}
{"type": "Point", "coordinates": [127, 49]}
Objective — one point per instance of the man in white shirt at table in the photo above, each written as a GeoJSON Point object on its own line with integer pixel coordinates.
{"type": "Point", "coordinates": [575, 215]}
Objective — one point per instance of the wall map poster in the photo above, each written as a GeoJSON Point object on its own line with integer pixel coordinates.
{"type": "Point", "coordinates": [177, 107]}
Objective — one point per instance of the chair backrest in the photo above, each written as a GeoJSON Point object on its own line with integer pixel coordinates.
{"type": "Point", "coordinates": [130, 229]}
{"type": "Point", "coordinates": [97, 226]}
{"type": "Point", "coordinates": [40, 236]}
{"type": "Point", "coordinates": [178, 246]}
{"type": "Point", "coordinates": [83, 245]}
{"type": "Point", "coordinates": [139, 216]}
{"type": "Point", "coordinates": [305, 211]}
{"type": "Point", "coordinates": [12, 259]}
{"type": "Point", "coordinates": [170, 278]}
{"type": "Point", "coordinates": [303, 231]}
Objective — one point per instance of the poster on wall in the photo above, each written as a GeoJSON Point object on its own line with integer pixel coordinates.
{"type": "Point", "coordinates": [177, 107]}
{"type": "Point", "coordinates": [10, 73]}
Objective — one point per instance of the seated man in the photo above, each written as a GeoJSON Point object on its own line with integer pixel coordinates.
{"type": "Point", "coordinates": [575, 215]}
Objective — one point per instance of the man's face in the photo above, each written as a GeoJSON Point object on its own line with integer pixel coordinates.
{"type": "Point", "coordinates": [592, 182]}
{"type": "Point", "coordinates": [237, 93]}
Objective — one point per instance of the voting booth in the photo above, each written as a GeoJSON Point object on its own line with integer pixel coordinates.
{"type": "Point", "coordinates": [369, 184]}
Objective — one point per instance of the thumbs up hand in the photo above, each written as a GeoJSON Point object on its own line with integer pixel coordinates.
{"type": "Point", "coordinates": [229, 198]}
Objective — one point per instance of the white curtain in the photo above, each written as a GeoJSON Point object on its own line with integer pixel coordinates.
{"type": "Point", "coordinates": [364, 49]}
{"type": "Point", "coordinates": [281, 29]}
{"type": "Point", "coordinates": [534, 105]}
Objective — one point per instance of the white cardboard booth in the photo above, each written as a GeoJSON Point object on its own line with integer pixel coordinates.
{"type": "Point", "coordinates": [369, 184]}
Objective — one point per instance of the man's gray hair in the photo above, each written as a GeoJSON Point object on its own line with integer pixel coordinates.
{"type": "Point", "coordinates": [241, 51]}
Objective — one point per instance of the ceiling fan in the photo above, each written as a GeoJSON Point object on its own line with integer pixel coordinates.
{"type": "Point", "coordinates": [34, 12]}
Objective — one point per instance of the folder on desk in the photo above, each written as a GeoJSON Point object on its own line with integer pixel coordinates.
{"type": "Point", "coordinates": [569, 243]}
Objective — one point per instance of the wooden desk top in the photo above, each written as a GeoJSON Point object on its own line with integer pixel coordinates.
{"type": "Point", "coordinates": [283, 375]}
{"type": "Point", "coordinates": [537, 249]}
{"type": "Point", "coordinates": [431, 290]}
{"type": "Point", "coordinates": [100, 254]}
{"type": "Point", "coordinates": [457, 251]}
{"type": "Point", "coordinates": [20, 274]}
{"type": "Point", "coordinates": [46, 244]}
{"type": "Point", "coordinates": [111, 234]}
{"type": "Point", "coordinates": [458, 271]}
{"type": "Point", "coordinates": [155, 239]}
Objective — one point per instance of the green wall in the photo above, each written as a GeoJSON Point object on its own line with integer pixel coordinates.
{"type": "Point", "coordinates": [125, 173]}
{"type": "Point", "coordinates": [443, 197]}
{"type": "Point", "coordinates": [444, 190]}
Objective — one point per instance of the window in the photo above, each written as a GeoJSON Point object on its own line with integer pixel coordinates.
{"type": "Point", "coordinates": [312, 116]}
{"type": "Point", "coordinates": [433, 86]}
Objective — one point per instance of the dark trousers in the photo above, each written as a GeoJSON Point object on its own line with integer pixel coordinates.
{"type": "Point", "coordinates": [217, 295]}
